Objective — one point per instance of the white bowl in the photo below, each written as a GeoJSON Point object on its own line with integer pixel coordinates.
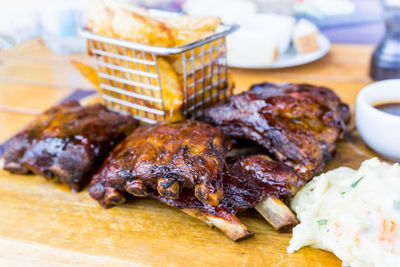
{"type": "Point", "coordinates": [380, 130]}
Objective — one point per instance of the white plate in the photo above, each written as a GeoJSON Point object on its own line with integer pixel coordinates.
{"type": "Point", "coordinates": [290, 58]}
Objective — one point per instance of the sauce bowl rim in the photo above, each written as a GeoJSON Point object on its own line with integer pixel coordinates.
{"type": "Point", "coordinates": [374, 86]}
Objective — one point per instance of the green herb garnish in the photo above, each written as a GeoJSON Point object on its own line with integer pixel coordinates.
{"type": "Point", "coordinates": [322, 222]}
{"type": "Point", "coordinates": [396, 205]}
{"type": "Point", "coordinates": [343, 193]}
{"type": "Point", "coordinates": [356, 182]}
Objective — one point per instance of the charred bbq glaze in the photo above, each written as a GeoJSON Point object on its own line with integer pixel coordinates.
{"type": "Point", "coordinates": [247, 182]}
{"type": "Point", "coordinates": [66, 142]}
{"type": "Point", "coordinates": [297, 123]}
{"type": "Point", "coordinates": [165, 158]}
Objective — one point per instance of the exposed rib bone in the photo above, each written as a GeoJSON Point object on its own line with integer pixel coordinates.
{"type": "Point", "coordinates": [201, 192]}
{"type": "Point", "coordinates": [277, 214]}
{"type": "Point", "coordinates": [137, 188]}
{"type": "Point", "coordinates": [113, 197]}
{"type": "Point", "coordinates": [231, 227]}
{"type": "Point", "coordinates": [168, 188]}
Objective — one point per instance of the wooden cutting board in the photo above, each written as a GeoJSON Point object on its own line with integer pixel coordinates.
{"type": "Point", "coordinates": [41, 224]}
{"type": "Point", "coordinates": [72, 229]}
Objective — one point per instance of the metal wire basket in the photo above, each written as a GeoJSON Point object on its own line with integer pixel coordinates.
{"type": "Point", "coordinates": [133, 81]}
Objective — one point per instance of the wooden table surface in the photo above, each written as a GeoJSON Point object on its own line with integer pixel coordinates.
{"type": "Point", "coordinates": [41, 225]}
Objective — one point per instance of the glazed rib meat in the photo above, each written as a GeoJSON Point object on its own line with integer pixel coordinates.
{"type": "Point", "coordinates": [252, 179]}
{"type": "Point", "coordinates": [249, 182]}
{"type": "Point", "coordinates": [66, 142]}
{"type": "Point", "coordinates": [165, 158]}
{"type": "Point", "coordinates": [297, 123]}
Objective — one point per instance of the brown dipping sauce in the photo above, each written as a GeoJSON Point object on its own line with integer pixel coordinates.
{"type": "Point", "coordinates": [391, 107]}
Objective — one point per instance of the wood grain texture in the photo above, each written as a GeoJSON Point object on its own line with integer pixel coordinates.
{"type": "Point", "coordinates": [14, 253]}
{"type": "Point", "coordinates": [41, 224]}
{"type": "Point", "coordinates": [10, 123]}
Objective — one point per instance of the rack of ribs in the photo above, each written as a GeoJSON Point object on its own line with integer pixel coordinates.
{"type": "Point", "coordinates": [153, 153]}
{"type": "Point", "coordinates": [298, 124]}
{"type": "Point", "coordinates": [66, 142]}
{"type": "Point", "coordinates": [166, 158]}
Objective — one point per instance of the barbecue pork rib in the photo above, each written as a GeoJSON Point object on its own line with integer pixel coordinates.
{"type": "Point", "coordinates": [165, 158]}
{"type": "Point", "coordinates": [250, 180]}
{"type": "Point", "coordinates": [254, 181]}
{"type": "Point", "coordinates": [66, 142]}
{"type": "Point", "coordinates": [297, 123]}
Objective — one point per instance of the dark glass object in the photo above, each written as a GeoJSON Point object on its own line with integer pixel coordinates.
{"type": "Point", "coordinates": [385, 63]}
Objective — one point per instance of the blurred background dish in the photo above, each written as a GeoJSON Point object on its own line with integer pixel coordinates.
{"type": "Point", "coordinates": [283, 42]}
{"type": "Point", "coordinates": [289, 59]}
{"type": "Point", "coordinates": [269, 36]}
{"type": "Point", "coordinates": [253, 45]}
